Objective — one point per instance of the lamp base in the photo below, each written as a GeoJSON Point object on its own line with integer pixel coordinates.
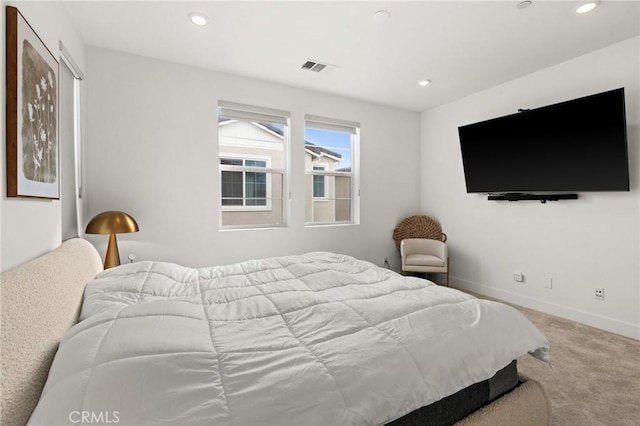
{"type": "Point", "coordinates": [112, 258]}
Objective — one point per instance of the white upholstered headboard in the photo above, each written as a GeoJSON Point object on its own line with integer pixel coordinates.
{"type": "Point", "coordinates": [40, 301]}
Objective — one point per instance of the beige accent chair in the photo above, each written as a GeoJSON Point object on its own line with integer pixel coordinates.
{"type": "Point", "coordinates": [424, 255]}
{"type": "Point", "coordinates": [422, 246]}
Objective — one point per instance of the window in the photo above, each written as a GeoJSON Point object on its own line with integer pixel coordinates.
{"type": "Point", "coordinates": [69, 86]}
{"type": "Point", "coordinates": [252, 156]}
{"type": "Point", "coordinates": [331, 148]}
{"type": "Point", "coordinates": [244, 188]}
{"type": "Point", "coordinates": [318, 183]}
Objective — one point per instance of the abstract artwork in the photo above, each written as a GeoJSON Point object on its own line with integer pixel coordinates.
{"type": "Point", "coordinates": [33, 168]}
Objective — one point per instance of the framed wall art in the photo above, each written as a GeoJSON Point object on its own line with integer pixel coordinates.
{"type": "Point", "coordinates": [33, 166]}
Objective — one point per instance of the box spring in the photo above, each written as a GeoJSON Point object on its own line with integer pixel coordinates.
{"type": "Point", "coordinates": [455, 407]}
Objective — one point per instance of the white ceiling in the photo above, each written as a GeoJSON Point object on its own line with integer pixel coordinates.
{"type": "Point", "coordinates": [463, 47]}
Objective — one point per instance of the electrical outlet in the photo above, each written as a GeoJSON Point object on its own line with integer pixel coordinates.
{"type": "Point", "coordinates": [548, 282]}
{"type": "Point", "coordinates": [518, 277]}
{"type": "Point", "coordinates": [599, 293]}
{"type": "Point", "coordinates": [385, 262]}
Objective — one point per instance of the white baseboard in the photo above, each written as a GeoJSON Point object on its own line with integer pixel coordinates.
{"type": "Point", "coordinates": [593, 320]}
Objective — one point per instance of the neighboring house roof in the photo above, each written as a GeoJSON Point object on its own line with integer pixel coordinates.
{"type": "Point", "coordinates": [318, 151]}
{"type": "Point", "coordinates": [312, 148]}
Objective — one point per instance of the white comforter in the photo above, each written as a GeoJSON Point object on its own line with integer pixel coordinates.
{"type": "Point", "coordinates": [318, 339]}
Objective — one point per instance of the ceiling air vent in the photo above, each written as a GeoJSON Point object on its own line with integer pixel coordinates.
{"type": "Point", "coordinates": [313, 66]}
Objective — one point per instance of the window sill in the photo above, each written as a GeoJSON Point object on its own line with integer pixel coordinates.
{"type": "Point", "coordinates": [328, 224]}
{"type": "Point", "coordinates": [240, 209]}
{"type": "Point", "coordinates": [232, 228]}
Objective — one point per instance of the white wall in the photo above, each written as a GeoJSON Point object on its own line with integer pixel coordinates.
{"type": "Point", "coordinates": [31, 227]}
{"type": "Point", "coordinates": [583, 244]}
{"type": "Point", "coordinates": [152, 152]}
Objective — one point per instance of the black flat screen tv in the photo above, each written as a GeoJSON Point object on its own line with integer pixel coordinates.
{"type": "Point", "coordinates": [578, 145]}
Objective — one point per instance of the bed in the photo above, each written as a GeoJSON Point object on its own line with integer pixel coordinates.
{"type": "Point", "coordinates": [319, 338]}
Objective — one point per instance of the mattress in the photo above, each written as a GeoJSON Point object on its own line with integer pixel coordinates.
{"type": "Point", "coordinates": [314, 339]}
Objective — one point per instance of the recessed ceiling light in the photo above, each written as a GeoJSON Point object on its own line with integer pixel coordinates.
{"type": "Point", "coordinates": [587, 7]}
{"type": "Point", "coordinates": [424, 83]}
{"type": "Point", "coordinates": [381, 16]}
{"type": "Point", "coordinates": [524, 4]}
{"type": "Point", "coordinates": [198, 19]}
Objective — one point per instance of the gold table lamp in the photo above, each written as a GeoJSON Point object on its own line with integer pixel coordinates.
{"type": "Point", "coordinates": [112, 223]}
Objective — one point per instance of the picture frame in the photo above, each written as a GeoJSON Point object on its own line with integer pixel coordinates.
{"type": "Point", "coordinates": [32, 151]}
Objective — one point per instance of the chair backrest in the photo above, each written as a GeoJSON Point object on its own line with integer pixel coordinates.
{"type": "Point", "coordinates": [418, 226]}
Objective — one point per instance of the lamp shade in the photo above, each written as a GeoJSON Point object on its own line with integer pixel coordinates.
{"type": "Point", "coordinates": [112, 222]}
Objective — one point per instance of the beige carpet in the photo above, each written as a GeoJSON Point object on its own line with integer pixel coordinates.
{"type": "Point", "coordinates": [595, 375]}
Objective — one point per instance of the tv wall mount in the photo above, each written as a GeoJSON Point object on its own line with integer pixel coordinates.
{"type": "Point", "coordinates": [521, 196]}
